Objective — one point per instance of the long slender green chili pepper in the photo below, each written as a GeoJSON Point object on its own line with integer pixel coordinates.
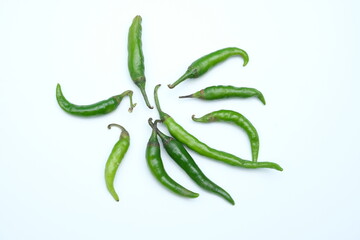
{"type": "Point", "coordinates": [193, 143]}
{"type": "Point", "coordinates": [153, 158]}
{"type": "Point", "coordinates": [99, 108]}
{"type": "Point", "coordinates": [177, 152]}
{"type": "Point", "coordinates": [239, 120]}
{"type": "Point", "coordinates": [203, 64]}
{"type": "Point", "coordinates": [220, 92]}
{"type": "Point", "coordinates": [136, 58]}
{"type": "Point", "coordinates": [117, 154]}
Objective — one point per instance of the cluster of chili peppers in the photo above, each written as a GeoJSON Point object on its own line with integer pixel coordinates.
{"type": "Point", "coordinates": [175, 144]}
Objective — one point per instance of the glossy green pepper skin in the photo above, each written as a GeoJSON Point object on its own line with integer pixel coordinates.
{"type": "Point", "coordinates": [220, 92]}
{"type": "Point", "coordinates": [179, 154]}
{"type": "Point", "coordinates": [156, 166]}
{"type": "Point", "coordinates": [136, 57]}
{"type": "Point", "coordinates": [239, 120]}
{"type": "Point", "coordinates": [193, 143]}
{"type": "Point", "coordinates": [99, 108]}
{"type": "Point", "coordinates": [117, 154]}
{"type": "Point", "coordinates": [205, 63]}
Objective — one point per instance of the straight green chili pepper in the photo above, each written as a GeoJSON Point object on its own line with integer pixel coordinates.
{"type": "Point", "coordinates": [193, 143]}
{"type": "Point", "coordinates": [239, 120]}
{"type": "Point", "coordinates": [136, 57]}
{"type": "Point", "coordinates": [177, 152]}
{"type": "Point", "coordinates": [220, 92]}
{"type": "Point", "coordinates": [203, 64]}
{"type": "Point", "coordinates": [99, 108]}
{"type": "Point", "coordinates": [153, 158]}
{"type": "Point", "coordinates": [117, 154]}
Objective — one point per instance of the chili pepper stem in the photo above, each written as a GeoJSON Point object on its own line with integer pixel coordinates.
{"type": "Point", "coordinates": [187, 96]}
{"type": "Point", "coordinates": [163, 137]}
{"type": "Point", "coordinates": [154, 126]}
{"type": "Point", "coordinates": [116, 125]}
{"type": "Point", "coordinates": [143, 92]}
{"type": "Point", "coordinates": [201, 120]}
{"type": "Point", "coordinates": [151, 123]}
{"type": "Point", "coordinates": [187, 74]}
{"type": "Point", "coordinates": [195, 118]}
{"type": "Point", "coordinates": [129, 93]}
{"type": "Point", "coordinates": [157, 104]}
{"type": "Point", "coordinates": [123, 130]}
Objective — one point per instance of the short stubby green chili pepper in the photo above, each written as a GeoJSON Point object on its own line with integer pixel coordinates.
{"type": "Point", "coordinates": [239, 120]}
{"type": "Point", "coordinates": [117, 154]}
{"type": "Point", "coordinates": [220, 92]}
{"type": "Point", "coordinates": [194, 144]}
{"type": "Point", "coordinates": [136, 57]}
{"type": "Point", "coordinates": [99, 108]}
{"type": "Point", "coordinates": [179, 154]}
{"type": "Point", "coordinates": [203, 64]}
{"type": "Point", "coordinates": [153, 158]}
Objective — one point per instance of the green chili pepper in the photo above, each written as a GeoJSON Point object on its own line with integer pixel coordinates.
{"type": "Point", "coordinates": [203, 64]}
{"type": "Point", "coordinates": [193, 143]}
{"type": "Point", "coordinates": [238, 119]}
{"type": "Point", "coordinates": [136, 57]}
{"type": "Point", "coordinates": [219, 92]}
{"type": "Point", "coordinates": [156, 166]}
{"type": "Point", "coordinates": [117, 154]}
{"type": "Point", "coordinates": [177, 152]}
{"type": "Point", "coordinates": [99, 108]}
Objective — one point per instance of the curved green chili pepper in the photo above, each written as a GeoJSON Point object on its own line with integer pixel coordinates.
{"type": "Point", "coordinates": [156, 166]}
{"type": "Point", "coordinates": [177, 152]}
{"type": "Point", "coordinates": [193, 143]}
{"type": "Point", "coordinates": [238, 119]}
{"type": "Point", "coordinates": [203, 64]}
{"type": "Point", "coordinates": [117, 154]}
{"type": "Point", "coordinates": [136, 58]}
{"type": "Point", "coordinates": [219, 92]}
{"type": "Point", "coordinates": [99, 108]}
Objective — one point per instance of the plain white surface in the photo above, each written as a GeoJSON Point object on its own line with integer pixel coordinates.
{"type": "Point", "coordinates": [304, 58]}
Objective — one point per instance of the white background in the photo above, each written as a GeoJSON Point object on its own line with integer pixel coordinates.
{"type": "Point", "coordinates": [304, 57]}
